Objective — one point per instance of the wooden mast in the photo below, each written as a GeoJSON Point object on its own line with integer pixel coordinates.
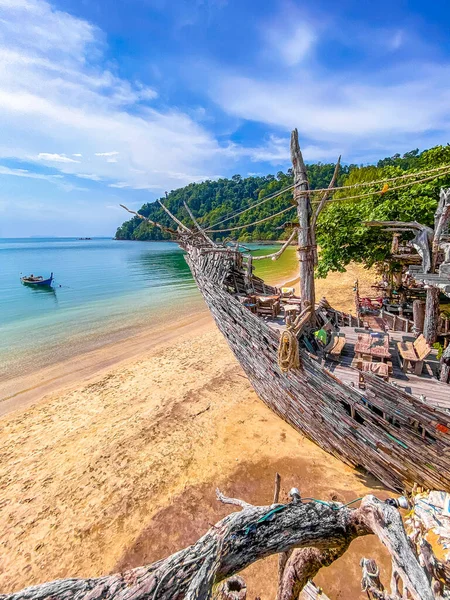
{"type": "Point", "coordinates": [305, 239]}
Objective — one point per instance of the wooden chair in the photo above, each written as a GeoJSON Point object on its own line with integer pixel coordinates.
{"type": "Point", "coordinates": [287, 292]}
{"type": "Point", "coordinates": [268, 306]}
{"type": "Point", "coordinates": [291, 312]}
{"type": "Point", "coordinates": [413, 354]}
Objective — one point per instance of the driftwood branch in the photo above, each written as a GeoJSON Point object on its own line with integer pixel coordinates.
{"type": "Point", "coordinates": [394, 225]}
{"type": "Point", "coordinates": [321, 206]}
{"type": "Point", "coordinates": [154, 223]}
{"type": "Point", "coordinates": [326, 195]}
{"type": "Point", "coordinates": [302, 566]}
{"type": "Point", "coordinates": [174, 218]}
{"type": "Point", "coordinates": [277, 254]}
{"type": "Point", "coordinates": [235, 501]}
{"type": "Point", "coordinates": [442, 216]}
{"type": "Point", "coordinates": [318, 531]}
{"type": "Point", "coordinates": [198, 226]}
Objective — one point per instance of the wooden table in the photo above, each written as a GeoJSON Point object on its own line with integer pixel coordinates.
{"type": "Point", "coordinates": [294, 301]}
{"type": "Point", "coordinates": [372, 346]}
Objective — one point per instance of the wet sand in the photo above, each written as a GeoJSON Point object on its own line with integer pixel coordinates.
{"type": "Point", "coordinates": [113, 463]}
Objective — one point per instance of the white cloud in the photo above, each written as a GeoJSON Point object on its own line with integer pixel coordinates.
{"type": "Point", "coordinates": [29, 174]}
{"type": "Point", "coordinates": [56, 93]}
{"type": "Point", "coordinates": [56, 179]}
{"type": "Point", "coordinates": [120, 185]}
{"type": "Point", "coordinates": [292, 41]}
{"type": "Point", "coordinates": [60, 158]}
{"type": "Point", "coordinates": [389, 110]}
{"type": "Point", "coordinates": [91, 176]}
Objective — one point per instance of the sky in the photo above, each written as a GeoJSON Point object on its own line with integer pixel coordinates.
{"type": "Point", "coordinates": [105, 102]}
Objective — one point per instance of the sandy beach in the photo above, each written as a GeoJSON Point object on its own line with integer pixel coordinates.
{"type": "Point", "coordinates": [111, 460]}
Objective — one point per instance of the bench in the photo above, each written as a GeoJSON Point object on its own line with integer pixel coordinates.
{"type": "Point", "coordinates": [335, 347]}
{"type": "Point", "coordinates": [413, 354]}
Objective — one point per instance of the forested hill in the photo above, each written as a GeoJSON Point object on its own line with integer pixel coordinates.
{"type": "Point", "coordinates": [211, 201]}
{"type": "Point", "coordinates": [341, 233]}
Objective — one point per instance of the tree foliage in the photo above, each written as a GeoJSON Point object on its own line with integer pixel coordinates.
{"type": "Point", "coordinates": [341, 233]}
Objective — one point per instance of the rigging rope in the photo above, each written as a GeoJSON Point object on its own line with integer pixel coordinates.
{"type": "Point", "coordinates": [251, 224]}
{"type": "Point", "coordinates": [445, 169]}
{"type": "Point", "coordinates": [411, 183]}
{"type": "Point", "coordinates": [265, 199]}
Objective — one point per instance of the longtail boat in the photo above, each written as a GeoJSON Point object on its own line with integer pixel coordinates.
{"type": "Point", "coordinates": [398, 430]}
{"type": "Point", "coordinates": [37, 280]}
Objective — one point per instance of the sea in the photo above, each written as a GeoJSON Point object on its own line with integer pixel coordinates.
{"type": "Point", "coordinates": [104, 290]}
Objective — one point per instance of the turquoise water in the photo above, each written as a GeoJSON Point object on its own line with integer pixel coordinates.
{"type": "Point", "coordinates": [104, 290]}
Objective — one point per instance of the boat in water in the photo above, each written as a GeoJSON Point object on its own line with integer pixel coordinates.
{"type": "Point", "coordinates": [387, 425]}
{"type": "Point", "coordinates": [37, 280]}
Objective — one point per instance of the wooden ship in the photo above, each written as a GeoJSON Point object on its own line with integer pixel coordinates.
{"type": "Point", "coordinates": [393, 423]}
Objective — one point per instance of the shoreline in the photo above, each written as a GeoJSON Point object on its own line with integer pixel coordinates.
{"type": "Point", "coordinates": [23, 391]}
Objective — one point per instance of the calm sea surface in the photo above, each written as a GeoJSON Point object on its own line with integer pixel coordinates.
{"type": "Point", "coordinates": [104, 290]}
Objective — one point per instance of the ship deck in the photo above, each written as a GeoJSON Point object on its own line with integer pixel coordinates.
{"type": "Point", "coordinates": [436, 393]}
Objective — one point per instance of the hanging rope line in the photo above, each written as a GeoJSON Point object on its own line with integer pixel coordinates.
{"type": "Point", "coordinates": [391, 189]}
{"type": "Point", "coordinates": [241, 212]}
{"type": "Point", "coordinates": [357, 197]}
{"type": "Point", "coordinates": [436, 170]}
{"type": "Point", "coordinates": [254, 222]}
{"type": "Point", "coordinates": [376, 181]}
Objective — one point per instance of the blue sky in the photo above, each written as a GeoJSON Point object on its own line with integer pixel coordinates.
{"type": "Point", "coordinates": [105, 102]}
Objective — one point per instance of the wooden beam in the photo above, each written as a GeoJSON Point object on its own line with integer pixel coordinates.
{"type": "Point", "coordinates": [172, 216]}
{"type": "Point", "coordinates": [201, 231]}
{"type": "Point", "coordinates": [153, 223]}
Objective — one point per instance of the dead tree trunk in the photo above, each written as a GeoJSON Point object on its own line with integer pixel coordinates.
{"type": "Point", "coordinates": [418, 316]}
{"type": "Point", "coordinates": [430, 327]}
{"type": "Point", "coordinates": [306, 251]}
{"type": "Point", "coordinates": [445, 366]}
{"type": "Point", "coordinates": [322, 530]}
{"type": "Point", "coordinates": [233, 588]}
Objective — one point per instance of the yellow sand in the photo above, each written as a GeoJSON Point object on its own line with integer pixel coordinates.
{"type": "Point", "coordinates": [118, 466]}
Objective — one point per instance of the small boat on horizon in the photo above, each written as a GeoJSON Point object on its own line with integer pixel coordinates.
{"type": "Point", "coordinates": [37, 280]}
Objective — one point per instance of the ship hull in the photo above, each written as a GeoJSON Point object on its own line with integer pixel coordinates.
{"type": "Point", "coordinates": [409, 444]}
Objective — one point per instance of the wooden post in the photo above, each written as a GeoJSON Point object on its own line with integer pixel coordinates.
{"type": "Point", "coordinates": [304, 211]}
{"type": "Point", "coordinates": [418, 316]}
{"type": "Point", "coordinates": [397, 279]}
{"type": "Point", "coordinates": [395, 241]}
{"type": "Point", "coordinates": [431, 315]}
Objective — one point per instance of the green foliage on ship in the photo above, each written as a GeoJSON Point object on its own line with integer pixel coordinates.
{"type": "Point", "coordinates": [341, 233]}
